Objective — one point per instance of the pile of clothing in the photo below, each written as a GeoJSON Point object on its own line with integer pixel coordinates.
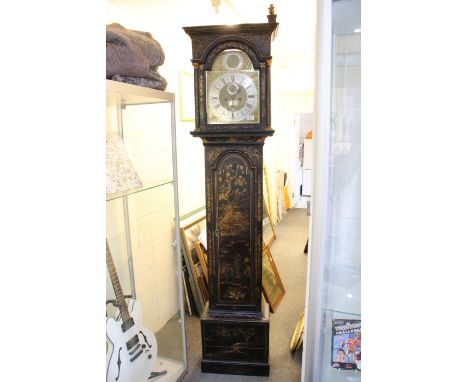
{"type": "Point", "coordinates": [133, 57]}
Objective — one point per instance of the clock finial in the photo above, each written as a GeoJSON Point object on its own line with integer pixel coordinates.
{"type": "Point", "coordinates": [271, 14]}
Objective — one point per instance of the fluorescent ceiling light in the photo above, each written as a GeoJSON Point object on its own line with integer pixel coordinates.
{"type": "Point", "coordinates": [357, 30]}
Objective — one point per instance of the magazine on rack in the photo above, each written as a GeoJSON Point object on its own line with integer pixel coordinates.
{"type": "Point", "coordinates": [346, 344]}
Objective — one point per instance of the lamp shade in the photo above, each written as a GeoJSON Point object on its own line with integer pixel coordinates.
{"type": "Point", "coordinates": [121, 174]}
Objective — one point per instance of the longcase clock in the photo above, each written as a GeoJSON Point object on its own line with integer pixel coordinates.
{"type": "Point", "coordinates": [233, 118]}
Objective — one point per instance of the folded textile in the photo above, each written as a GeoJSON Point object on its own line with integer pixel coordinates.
{"type": "Point", "coordinates": [132, 53]}
{"type": "Point", "coordinates": [146, 82]}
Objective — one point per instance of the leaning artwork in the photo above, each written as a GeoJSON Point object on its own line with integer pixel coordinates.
{"type": "Point", "coordinates": [271, 282]}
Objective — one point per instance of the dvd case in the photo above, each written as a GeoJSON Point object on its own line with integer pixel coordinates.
{"type": "Point", "coordinates": [346, 344]}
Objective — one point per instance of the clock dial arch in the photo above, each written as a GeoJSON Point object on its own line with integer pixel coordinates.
{"type": "Point", "coordinates": [233, 93]}
{"type": "Point", "coordinates": [223, 44]}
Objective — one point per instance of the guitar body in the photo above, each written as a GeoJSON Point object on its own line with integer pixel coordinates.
{"type": "Point", "coordinates": [132, 353]}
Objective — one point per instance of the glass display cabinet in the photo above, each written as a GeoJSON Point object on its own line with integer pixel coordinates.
{"type": "Point", "coordinates": [341, 299]}
{"type": "Point", "coordinates": [333, 338]}
{"type": "Point", "coordinates": [143, 218]}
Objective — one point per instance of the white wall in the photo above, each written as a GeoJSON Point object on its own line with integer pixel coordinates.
{"type": "Point", "coordinates": [304, 122]}
{"type": "Point", "coordinates": [282, 149]}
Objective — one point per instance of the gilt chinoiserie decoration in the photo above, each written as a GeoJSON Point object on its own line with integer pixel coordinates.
{"type": "Point", "coordinates": [233, 118]}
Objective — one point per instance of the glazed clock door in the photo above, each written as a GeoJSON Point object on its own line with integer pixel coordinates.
{"type": "Point", "coordinates": [232, 89]}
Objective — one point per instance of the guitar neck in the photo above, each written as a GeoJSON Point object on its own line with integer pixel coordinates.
{"type": "Point", "coordinates": [127, 320]}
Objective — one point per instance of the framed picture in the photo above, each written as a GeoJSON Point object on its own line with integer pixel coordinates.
{"type": "Point", "coordinates": [268, 231]}
{"type": "Point", "coordinates": [271, 282]}
{"type": "Point", "coordinates": [186, 97]}
{"type": "Point", "coordinates": [269, 235]}
{"type": "Point", "coordinates": [203, 258]}
{"type": "Point", "coordinates": [296, 340]}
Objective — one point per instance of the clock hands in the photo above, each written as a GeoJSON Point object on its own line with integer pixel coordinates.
{"type": "Point", "coordinates": [234, 91]}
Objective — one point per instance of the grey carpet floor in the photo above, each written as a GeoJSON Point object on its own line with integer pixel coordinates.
{"type": "Point", "coordinates": [288, 253]}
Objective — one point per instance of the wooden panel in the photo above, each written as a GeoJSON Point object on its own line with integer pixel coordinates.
{"type": "Point", "coordinates": [233, 184]}
{"type": "Point", "coordinates": [233, 367]}
{"type": "Point", "coordinates": [235, 353]}
{"type": "Point", "coordinates": [201, 252]}
{"type": "Point", "coordinates": [235, 334]}
{"type": "Point", "coordinates": [234, 231]}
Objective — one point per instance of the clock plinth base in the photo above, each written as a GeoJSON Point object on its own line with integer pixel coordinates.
{"type": "Point", "coordinates": [233, 344]}
{"type": "Point", "coordinates": [237, 368]}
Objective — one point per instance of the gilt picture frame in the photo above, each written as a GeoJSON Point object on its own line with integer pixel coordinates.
{"type": "Point", "coordinates": [202, 257]}
{"type": "Point", "coordinates": [272, 285]}
{"type": "Point", "coordinates": [268, 231]}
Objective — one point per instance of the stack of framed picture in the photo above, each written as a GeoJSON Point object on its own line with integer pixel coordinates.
{"type": "Point", "coordinates": [195, 270]}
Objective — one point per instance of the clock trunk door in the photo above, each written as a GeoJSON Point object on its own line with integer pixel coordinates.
{"type": "Point", "coordinates": [235, 238]}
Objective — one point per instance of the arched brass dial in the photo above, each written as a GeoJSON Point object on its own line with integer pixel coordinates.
{"type": "Point", "coordinates": [233, 98]}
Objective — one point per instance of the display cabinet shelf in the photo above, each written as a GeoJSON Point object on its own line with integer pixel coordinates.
{"type": "Point", "coordinates": [136, 95]}
{"type": "Point", "coordinates": [137, 190]}
{"type": "Point", "coordinates": [333, 311]}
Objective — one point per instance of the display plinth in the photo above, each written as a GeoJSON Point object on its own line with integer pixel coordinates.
{"type": "Point", "coordinates": [233, 118]}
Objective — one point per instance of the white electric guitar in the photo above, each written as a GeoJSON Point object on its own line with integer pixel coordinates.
{"type": "Point", "coordinates": [133, 350]}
